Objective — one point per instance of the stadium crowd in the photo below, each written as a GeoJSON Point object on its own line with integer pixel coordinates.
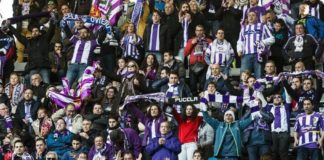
{"type": "Point", "coordinates": [155, 79]}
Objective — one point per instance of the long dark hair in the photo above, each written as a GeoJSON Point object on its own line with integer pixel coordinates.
{"type": "Point", "coordinates": [148, 113]}
{"type": "Point", "coordinates": [145, 65]}
{"type": "Point", "coordinates": [193, 115]}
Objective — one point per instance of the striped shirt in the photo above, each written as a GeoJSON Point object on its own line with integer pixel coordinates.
{"type": "Point", "coordinates": [154, 44]}
{"type": "Point", "coordinates": [129, 45]}
{"type": "Point", "coordinates": [309, 128]}
{"type": "Point", "coordinates": [82, 49]}
{"type": "Point", "coordinates": [219, 52]}
{"type": "Point", "coordinates": [281, 118]}
{"type": "Point", "coordinates": [315, 11]}
{"type": "Point", "coordinates": [252, 33]}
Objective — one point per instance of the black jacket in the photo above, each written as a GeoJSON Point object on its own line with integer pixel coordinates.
{"type": "Point", "coordinates": [39, 91]}
{"type": "Point", "coordinates": [230, 21]}
{"type": "Point", "coordinates": [162, 36]}
{"type": "Point", "coordinates": [310, 48]}
{"type": "Point", "coordinates": [36, 48]}
{"type": "Point", "coordinates": [173, 28]}
{"type": "Point", "coordinates": [20, 113]}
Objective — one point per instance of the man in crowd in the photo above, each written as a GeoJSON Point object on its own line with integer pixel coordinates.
{"type": "Point", "coordinates": [253, 36]}
{"type": "Point", "coordinates": [309, 135]}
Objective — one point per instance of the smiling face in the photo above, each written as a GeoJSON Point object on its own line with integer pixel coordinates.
{"type": "Point", "coordinates": [99, 142]}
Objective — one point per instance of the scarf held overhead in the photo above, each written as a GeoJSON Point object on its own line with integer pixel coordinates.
{"type": "Point", "coordinates": [83, 90]}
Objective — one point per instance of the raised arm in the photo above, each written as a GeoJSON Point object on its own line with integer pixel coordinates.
{"type": "Point", "coordinates": [138, 113]}
{"type": "Point", "coordinates": [211, 121]}
{"type": "Point", "coordinates": [20, 38]}
{"type": "Point", "coordinates": [67, 31]}
{"type": "Point", "coordinates": [50, 33]}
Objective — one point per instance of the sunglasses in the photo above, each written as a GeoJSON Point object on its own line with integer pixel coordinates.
{"type": "Point", "coordinates": [131, 66]}
{"type": "Point", "coordinates": [50, 158]}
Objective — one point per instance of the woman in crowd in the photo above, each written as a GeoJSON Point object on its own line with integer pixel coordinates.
{"type": "Point", "coordinates": [132, 45]}
{"type": "Point", "coordinates": [149, 68]}
{"type": "Point", "coordinates": [189, 123]}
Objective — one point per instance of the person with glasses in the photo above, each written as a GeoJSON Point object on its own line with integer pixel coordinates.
{"type": "Point", "coordinates": [58, 61]}
{"type": "Point", "coordinates": [280, 127]}
{"type": "Point", "coordinates": [60, 139]}
{"type": "Point", "coordinates": [51, 156]}
{"type": "Point", "coordinates": [20, 152]}
{"type": "Point", "coordinates": [41, 149]}
{"type": "Point", "coordinates": [73, 120]}
{"type": "Point", "coordinates": [132, 83]}
{"type": "Point", "coordinates": [309, 134]}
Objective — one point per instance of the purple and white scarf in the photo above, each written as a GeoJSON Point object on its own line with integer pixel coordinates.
{"type": "Point", "coordinates": [185, 27]}
{"type": "Point", "coordinates": [154, 44]}
{"type": "Point", "coordinates": [137, 12]}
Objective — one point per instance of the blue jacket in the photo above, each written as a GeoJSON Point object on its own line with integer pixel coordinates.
{"type": "Point", "coordinates": [69, 155]}
{"type": "Point", "coordinates": [315, 27]}
{"type": "Point", "coordinates": [236, 128]}
{"type": "Point", "coordinates": [169, 150]}
{"type": "Point", "coordinates": [258, 132]}
{"type": "Point", "coordinates": [61, 144]}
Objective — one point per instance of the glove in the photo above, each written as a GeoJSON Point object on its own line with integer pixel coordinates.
{"type": "Point", "coordinates": [256, 115]}
{"type": "Point", "coordinates": [203, 107]}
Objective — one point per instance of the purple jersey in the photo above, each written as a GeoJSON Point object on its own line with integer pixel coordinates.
{"type": "Point", "coordinates": [308, 128]}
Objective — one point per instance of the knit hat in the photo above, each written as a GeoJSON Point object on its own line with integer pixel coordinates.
{"type": "Point", "coordinates": [231, 113]}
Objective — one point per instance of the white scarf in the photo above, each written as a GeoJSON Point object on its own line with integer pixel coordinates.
{"type": "Point", "coordinates": [299, 41]}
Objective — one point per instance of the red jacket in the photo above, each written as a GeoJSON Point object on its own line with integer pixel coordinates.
{"type": "Point", "coordinates": [188, 130]}
{"type": "Point", "coordinates": [189, 50]}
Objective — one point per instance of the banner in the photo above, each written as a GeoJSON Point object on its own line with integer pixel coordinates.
{"type": "Point", "coordinates": [89, 19]}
